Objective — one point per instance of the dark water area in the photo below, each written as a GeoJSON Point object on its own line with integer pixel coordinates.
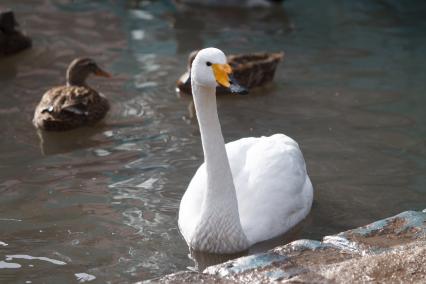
{"type": "Point", "coordinates": [103, 200]}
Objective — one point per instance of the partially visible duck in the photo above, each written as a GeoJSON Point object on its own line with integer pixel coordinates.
{"type": "Point", "coordinates": [11, 39]}
{"type": "Point", "coordinates": [250, 70]}
{"type": "Point", "coordinates": [75, 104]}
{"type": "Point", "coordinates": [229, 3]}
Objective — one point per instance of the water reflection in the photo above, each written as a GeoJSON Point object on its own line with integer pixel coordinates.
{"type": "Point", "coordinates": [202, 259]}
{"type": "Point", "coordinates": [60, 142]}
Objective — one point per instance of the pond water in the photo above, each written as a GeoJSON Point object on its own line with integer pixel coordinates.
{"type": "Point", "coordinates": [102, 201]}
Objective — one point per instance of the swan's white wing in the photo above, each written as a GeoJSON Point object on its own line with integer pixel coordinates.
{"type": "Point", "coordinates": [273, 189]}
{"type": "Point", "coordinates": [190, 205]}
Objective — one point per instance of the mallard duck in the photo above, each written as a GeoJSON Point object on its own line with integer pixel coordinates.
{"type": "Point", "coordinates": [11, 40]}
{"type": "Point", "coordinates": [75, 104]}
{"type": "Point", "coordinates": [250, 70]}
{"type": "Point", "coordinates": [246, 191]}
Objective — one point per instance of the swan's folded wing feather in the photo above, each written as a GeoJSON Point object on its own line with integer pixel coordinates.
{"type": "Point", "coordinates": [270, 179]}
{"type": "Point", "coordinates": [190, 205]}
{"type": "Point", "coordinates": [273, 189]}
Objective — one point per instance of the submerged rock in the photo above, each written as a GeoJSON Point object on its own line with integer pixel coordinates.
{"type": "Point", "coordinates": [389, 250]}
{"type": "Point", "coordinates": [11, 39]}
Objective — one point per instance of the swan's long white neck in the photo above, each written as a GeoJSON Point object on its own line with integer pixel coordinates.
{"type": "Point", "coordinates": [219, 228]}
{"type": "Point", "coordinates": [219, 177]}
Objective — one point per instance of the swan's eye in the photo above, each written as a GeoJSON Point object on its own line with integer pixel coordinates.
{"type": "Point", "coordinates": [208, 63]}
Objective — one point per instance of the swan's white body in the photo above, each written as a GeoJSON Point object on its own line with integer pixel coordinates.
{"type": "Point", "coordinates": [251, 190]}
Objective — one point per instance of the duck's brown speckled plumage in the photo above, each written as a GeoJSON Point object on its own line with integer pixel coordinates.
{"type": "Point", "coordinates": [75, 104]}
{"type": "Point", "coordinates": [68, 107]}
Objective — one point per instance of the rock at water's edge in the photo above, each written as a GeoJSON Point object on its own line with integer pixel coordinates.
{"type": "Point", "coordinates": [392, 249]}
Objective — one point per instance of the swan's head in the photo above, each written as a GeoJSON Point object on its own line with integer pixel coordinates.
{"type": "Point", "coordinates": [210, 68]}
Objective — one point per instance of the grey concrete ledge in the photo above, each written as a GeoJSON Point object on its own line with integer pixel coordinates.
{"type": "Point", "coordinates": [392, 250]}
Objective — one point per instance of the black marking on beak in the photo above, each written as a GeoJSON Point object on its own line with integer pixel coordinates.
{"type": "Point", "coordinates": [236, 88]}
{"type": "Point", "coordinates": [188, 80]}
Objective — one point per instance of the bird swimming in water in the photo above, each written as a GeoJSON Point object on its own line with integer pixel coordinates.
{"type": "Point", "coordinates": [74, 104]}
{"type": "Point", "coordinates": [246, 191]}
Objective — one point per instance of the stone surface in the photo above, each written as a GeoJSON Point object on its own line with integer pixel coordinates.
{"type": "Point", "coordinates": [390, 250]}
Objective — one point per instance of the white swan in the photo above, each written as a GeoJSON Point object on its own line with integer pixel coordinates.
{"type": "Point", "coordinates": [248, 191]}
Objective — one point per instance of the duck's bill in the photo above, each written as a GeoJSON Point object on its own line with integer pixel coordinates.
{"type": "Point", "coordinates": [223, 75]}
{"type": "Point", "coordinates": [102, 73]}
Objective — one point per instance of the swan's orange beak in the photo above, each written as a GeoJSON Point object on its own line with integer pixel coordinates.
{"type": "Point", "coordinates": [221, 73]}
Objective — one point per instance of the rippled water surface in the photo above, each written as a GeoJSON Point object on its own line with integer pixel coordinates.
{"type": "Point", "coordinates": [102, 201]}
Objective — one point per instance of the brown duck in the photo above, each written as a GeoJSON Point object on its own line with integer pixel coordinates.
{"type": "Point", "coordinates": [250, 70]}
{"type": "Point", "coordinates": [75, 104]}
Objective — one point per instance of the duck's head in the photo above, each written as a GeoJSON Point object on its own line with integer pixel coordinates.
{"type": "Point", "coordinates": [210, 68]}
{"type": "Point", "coordinates": [80, 69]}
